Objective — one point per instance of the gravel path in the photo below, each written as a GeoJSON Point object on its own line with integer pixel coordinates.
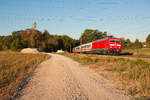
{"type": "Point", "coordinates": [61, 78]}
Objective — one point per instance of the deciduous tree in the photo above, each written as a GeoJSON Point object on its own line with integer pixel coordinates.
{"type": "Point", "coordinates": [137, 44]}
{"type": "Point", "coordinates": [148, 41]}
{"type": "Point", "coordinates": [90, 35]}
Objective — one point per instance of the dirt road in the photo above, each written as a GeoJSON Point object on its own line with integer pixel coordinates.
{"type": "Point", "coordinates": [61, 78]}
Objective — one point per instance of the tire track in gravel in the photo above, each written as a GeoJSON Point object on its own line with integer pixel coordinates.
{"type": "Point", "coordinates": [74, 89]}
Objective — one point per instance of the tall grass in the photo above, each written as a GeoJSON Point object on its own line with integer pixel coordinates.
{"type": "Point", "coordinates": [133, 73]}
{"type": "Point", "coordinates": [14, 69]}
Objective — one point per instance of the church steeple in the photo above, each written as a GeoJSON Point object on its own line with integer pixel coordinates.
{"type": "Point", "coordinates": [34, 25]}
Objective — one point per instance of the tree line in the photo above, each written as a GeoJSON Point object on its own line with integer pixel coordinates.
{"type": "Point", "coordinates": [32, 38]}
{"type": "Point", "coordinates": [127, 44]}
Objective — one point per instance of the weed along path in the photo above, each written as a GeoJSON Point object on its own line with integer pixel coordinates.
{"type": "Point", "coordinates": [61, 78]}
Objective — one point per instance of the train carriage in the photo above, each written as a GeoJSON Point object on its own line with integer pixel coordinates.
{"type": "Point", "coordinates": [107, 45]}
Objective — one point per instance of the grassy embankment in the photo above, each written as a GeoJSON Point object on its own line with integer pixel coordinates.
{"type": "Point", "coordinates": [15, 67]}
{"type": "Point", "coordinates": [144, 52]}
{"type": "Point", "coordinates": [133, 76]}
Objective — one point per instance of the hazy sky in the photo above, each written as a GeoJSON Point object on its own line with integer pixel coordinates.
{"type": "Point", "coordinates": [121, 18]}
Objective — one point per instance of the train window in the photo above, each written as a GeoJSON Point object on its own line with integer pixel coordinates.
{"type": "Point", "coordinates": [77, 48]}
{"type": "Point", "coordinates": [115, 41]}
{"type": "Point", "coordinates": [82, 47]}
{"type": "Point", "coordinates": [118, 41]}
{"type": "Point", "coordinates": [88, 46]}
{"type": "Point", "coordinates": [112, 40]}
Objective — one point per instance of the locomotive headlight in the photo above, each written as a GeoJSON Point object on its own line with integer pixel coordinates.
{"type": "Point", "coordinates": [112, 44]}
{"type": "Point", "coordinates": [118, 45]}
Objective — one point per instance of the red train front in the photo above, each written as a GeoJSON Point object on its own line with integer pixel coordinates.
{"type": "Point", "coordinates": [107, 46]}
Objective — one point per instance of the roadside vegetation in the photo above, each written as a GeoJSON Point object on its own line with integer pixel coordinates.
{"type": "Point", "coordinates": [144, 52]}
{"type": "Point", "coordinates": [133, 76]}
{"type": "Point", "coordinates": [15, 67]}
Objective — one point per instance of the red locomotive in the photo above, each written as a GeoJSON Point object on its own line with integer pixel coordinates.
{"type": "Point", "coordinates": [106, 45]}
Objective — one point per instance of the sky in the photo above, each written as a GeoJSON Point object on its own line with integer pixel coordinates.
{"type": "Point", "coordinates": [120, 18]}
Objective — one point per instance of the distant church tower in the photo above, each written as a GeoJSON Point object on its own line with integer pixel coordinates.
{"type": "Point", "coordinates": [34, 28]}
{"type": "Point", "coordinates": [34, 25]}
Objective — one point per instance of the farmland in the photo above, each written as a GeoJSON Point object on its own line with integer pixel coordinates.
{"type": "Point", "coordinates": [15, 67]}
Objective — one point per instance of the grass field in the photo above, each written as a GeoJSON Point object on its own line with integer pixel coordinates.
{"type": "Point", "coordinates": [144, 52]}
{"type": "Point", "coordinates": [15, 67]}
{"type": "Point", "coordinates": [133, 75]}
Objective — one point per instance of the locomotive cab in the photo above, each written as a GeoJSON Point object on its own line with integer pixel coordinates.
{"type": "Point", "coordinates": [114, 45]}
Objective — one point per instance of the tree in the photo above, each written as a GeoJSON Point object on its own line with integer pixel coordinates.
{"type": "Point", "coordinates": [60, 44]}
{"type": "Point", "coordinates": [25, 43]}
{"type": "Point", "coordinates": [124, 43]}
{"type": "Point", "coordinates": [148, 38]}
{"type": "Point", "coordinates": [43, 46]}
{"type": "Point", "coordinates": [52, 44]}
{"type": "Point", "coordinates": [46, 35]}
{"type": "Point", "coordinates": [32, 41]}
{"type": "Point", "coordinates": [128, 43]}
{"type": "Point", "coordinates": [148, 41]}
{"type": "Point", "coordinates": [6, 41]}
{"type": "Point", "coordinates": [67, 42]}
{"type": "Point", "coordinates": [16, 34]}
{"type": "Point", "coordinates": [0, 46]}
{"type": "Point", "coordinates": [90, 35]}
{"type": "Point", "coordinates": [137, 44]}
{"type": "Point", "coordinates": [16, 45]}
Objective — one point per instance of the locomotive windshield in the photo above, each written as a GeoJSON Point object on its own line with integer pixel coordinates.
{"type": "Point", "coordinates": [115, 41]}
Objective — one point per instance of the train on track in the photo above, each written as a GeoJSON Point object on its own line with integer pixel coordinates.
{"type": "Point", "coordinates": [107, 45]}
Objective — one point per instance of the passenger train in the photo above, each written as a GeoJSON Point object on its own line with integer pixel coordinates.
{"type": "Point", "coordinates": [107, 45]}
